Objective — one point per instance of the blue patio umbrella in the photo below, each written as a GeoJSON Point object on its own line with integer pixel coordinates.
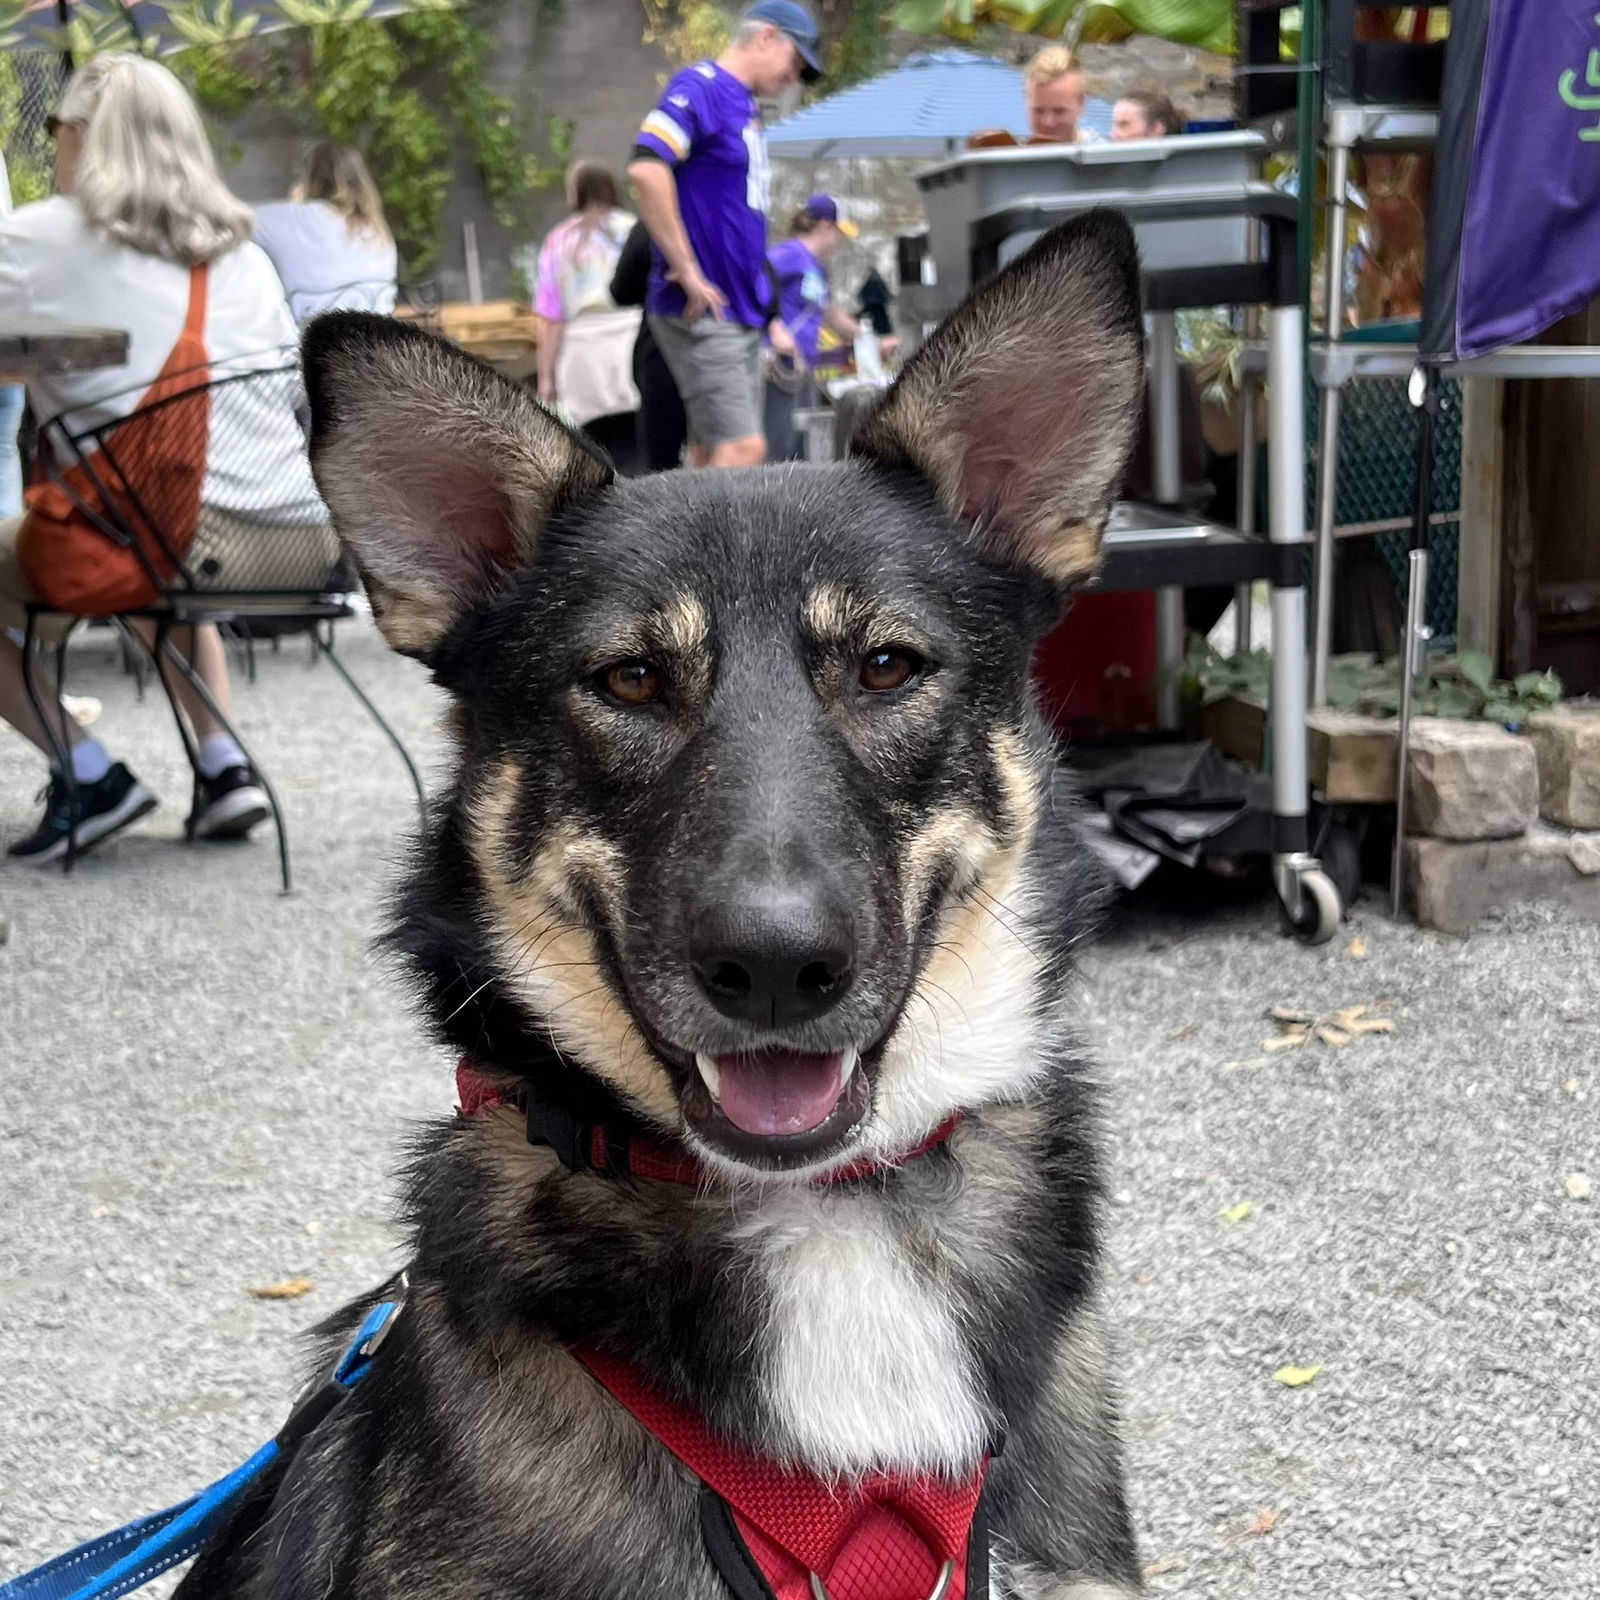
{"type": "Point", "coordinates": [926, 107]}
{"type": "Point", "coordinates": [85, 27]}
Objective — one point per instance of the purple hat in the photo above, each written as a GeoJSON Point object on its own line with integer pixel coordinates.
{"type": "Point", "coordinates": [824, 208]}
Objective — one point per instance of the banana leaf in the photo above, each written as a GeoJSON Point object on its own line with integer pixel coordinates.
{"type": "Point", "coordinates": [1206, 24]}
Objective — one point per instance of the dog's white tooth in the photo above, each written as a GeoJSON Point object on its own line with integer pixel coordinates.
{"type": "Point", "coordinates": [706, 1066]}
{"type": "Point", "coordinates": [852, 1059]}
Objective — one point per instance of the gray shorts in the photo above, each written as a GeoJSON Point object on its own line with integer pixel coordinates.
{"type": "Point", "coordinates": [717, 368]}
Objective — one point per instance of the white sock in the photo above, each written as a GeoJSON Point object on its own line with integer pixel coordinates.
{"type": "Point", "coordinates": [218, 752]}
{"type": "Point", "coordinates": [91, 761]}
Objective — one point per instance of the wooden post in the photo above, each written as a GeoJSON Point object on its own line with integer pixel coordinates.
{"type": "Point", "coordinates": [1482, 484]}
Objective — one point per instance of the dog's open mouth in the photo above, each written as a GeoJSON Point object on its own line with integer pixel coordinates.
{"type": "Point", "coordinates": [779, 1105]}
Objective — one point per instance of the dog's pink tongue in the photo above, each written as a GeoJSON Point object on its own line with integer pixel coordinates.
{"type": "Point", "coordinates": [779, 1091]}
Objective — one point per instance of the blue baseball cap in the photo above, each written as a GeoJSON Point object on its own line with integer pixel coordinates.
{"type": "Point", "coordinates": [792, 18]}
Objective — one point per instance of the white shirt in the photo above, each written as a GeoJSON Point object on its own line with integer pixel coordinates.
{"type": "Point", "coordinates": [325, 267]}
{"type": "Point", "coordinates": [51, 265]}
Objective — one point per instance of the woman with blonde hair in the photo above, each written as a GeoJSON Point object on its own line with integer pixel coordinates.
{"type": "Point", "coordinates": [585, 340]}
{"type": "Point", "coordinates": [328, 240]}
{"type": "Point", "coordinates": [143, 233]}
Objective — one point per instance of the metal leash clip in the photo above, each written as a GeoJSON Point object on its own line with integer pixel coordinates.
{"type": "Point", "coordinates": [323, 1393]}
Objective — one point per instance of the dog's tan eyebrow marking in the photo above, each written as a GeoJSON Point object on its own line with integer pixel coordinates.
{"type": "Point", "coordinates": [835, 615]}
{"type": "Point", "coordinates": [683, 625]}
{"type": "Point", "coordinates": [679, 629]}
{"type": "Point", "coordinates": [676, 636]}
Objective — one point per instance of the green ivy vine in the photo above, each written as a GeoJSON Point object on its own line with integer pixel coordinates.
{"type": "Point", "coordinates": [30, 162]}
{"type": "Point", "coordinates": [407, 92]}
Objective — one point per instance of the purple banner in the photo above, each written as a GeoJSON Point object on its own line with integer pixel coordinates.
{"type": "Point", "coordinates": [1530, 245]}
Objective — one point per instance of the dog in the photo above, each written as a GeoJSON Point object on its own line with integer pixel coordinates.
{"type": "Point", "coordinates": [754, 904]}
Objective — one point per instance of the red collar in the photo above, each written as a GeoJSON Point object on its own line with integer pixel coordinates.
{"type": "Point", "coordinates": [619, 1151]}
{"type": "Point", "coordinates": [887, 1537]}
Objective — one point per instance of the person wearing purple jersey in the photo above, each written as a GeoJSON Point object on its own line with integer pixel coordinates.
{"type": "Point", "coordinates": [824, 332]}
{"type": "Point", "coordinates": [701, 176]}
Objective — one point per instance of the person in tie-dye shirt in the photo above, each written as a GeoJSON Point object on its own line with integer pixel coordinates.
{"type": "Point", "coordinates": [700, 172]}
{"type": "Point", "coordinates": [585, 340]}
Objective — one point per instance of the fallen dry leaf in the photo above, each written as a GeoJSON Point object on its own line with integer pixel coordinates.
{"type": "Point", "coordinates": [1354, 1019]}
{"type": "Point", "coordinates": [289, 1289]}
{"type": "Point", "coordinates": [1239, 1212]}
{"type": "Point", "coordinates": [1292, 1018]}
{"type": "Point", "coordinates": [1159, 1569]}
{"type": "Point", "coordinates": [1297, 1029]}
{"type": "Point", "coordinates": [1356, 949]}
{"type": "Point", "coordinates": [1580, 1186]}
{"type": "Point", "coordinates": [1265, 1521]}
{"type": "Point", "coordinates": [83, 709]}
{"type": "Point", "coordinates": [1296, 1377]}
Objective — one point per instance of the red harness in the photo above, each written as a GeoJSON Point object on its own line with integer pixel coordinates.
{"type": "Point", "coordinates": [775, 1532]}
{"type": "Point", "coordinates": [779, 1534]}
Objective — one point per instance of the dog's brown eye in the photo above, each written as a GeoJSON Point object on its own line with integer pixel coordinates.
{"type": "Point", "coordinates": [882, 670]}
{"type": "Point", "coordinates": [634, 683]}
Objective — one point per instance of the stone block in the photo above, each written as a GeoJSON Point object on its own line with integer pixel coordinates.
{"type": "Point", "coordinates": [1453, 884]}
{"type": "Point", "coordinates": [1470, 780]}
{"type": "Point", "coordinates": [1566, 742]}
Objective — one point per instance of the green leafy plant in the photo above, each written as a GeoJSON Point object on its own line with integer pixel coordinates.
{"type": "Point", "coordinates": [1462, 686]}
{"type": "Point", "coordinates": [854, 33]}
{"type": "Point", "coordinates": [1206, 23]}
{"type": "Point", "coordinates": [407, 92]}
{"type": "Point", "coordinates": [30, 165]}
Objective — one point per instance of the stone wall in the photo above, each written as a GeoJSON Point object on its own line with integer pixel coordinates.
{"type": "Point", "coordinates": [1199, 84]}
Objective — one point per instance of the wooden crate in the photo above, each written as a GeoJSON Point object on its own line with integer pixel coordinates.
{"type": "Point", "coordinates": [1351, 757]}
{"type": "Point", "coordinates": [502, 332]}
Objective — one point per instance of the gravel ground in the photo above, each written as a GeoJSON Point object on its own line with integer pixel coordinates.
{"type": "Point", "coordinates": [1411, 1233]}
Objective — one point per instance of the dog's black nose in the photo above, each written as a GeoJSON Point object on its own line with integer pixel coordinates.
{"type": "Point", "coordinates": [780, 960]}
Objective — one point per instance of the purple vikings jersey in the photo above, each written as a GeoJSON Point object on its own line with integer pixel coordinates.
{"type": "Point", "coordinates": [707, 128]}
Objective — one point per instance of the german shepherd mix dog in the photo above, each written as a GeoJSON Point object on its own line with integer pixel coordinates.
{"type": "Point", "coordinates": [754, 903]}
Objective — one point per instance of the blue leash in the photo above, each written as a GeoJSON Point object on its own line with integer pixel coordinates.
{"type": "Point", "coordinates": [117, 1563]}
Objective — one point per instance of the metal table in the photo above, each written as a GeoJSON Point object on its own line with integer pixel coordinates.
{"type": "Point", "coordinates": [40, 346]}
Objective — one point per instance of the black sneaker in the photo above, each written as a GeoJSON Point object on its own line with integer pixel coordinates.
{"type": "Point", "coordinates": [227, 806]}
{"type": "Point", "coordinates": [102, 809]}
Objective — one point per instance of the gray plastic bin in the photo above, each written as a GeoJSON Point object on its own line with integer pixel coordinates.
{"type": "Point", "coordinates": [957, 192]}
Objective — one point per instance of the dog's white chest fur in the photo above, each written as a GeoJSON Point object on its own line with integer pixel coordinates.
{"type": "Point", "coordinates": [863, 1363]}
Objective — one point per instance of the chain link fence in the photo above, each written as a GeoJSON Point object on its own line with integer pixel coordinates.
{"type": "Point", "coordinates": [30, 85]}
{"type": "Point", "coordinates": [1377, 466]}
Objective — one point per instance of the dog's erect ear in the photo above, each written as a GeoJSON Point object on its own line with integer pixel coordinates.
{"type": "Point", "coordinates": [439, 473]}
{"type": "Point", "coordinates": [1020, 410]}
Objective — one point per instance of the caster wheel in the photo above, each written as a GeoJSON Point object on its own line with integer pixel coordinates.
{"type": "Point", "coordinates": [1320, 910]}
{"type": "Point", "coordinates": [1340, 854]}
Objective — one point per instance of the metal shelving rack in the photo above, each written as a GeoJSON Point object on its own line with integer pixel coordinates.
{"type": "Point", "coordinates": [1166, 548]}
